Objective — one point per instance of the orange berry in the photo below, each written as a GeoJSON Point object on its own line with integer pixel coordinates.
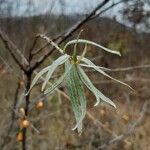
{"type": "Point", "coordinates": [125, 118]}
{"type": "Point", "coordinates": [19, 136]}
{"type": "Point", "coordinates": [39, 105]}
{"type": "Point", "coordinates": [102, 112]}
{"type": "Point", "coordinates": [25, 123]}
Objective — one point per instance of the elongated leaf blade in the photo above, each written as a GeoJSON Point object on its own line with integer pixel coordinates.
{"type": "Point", "coordinates": [77, 97]}
{"type": "Point", "coordinates": [85, 79]}
{"type": "Point", "coordinates": [38, 75]}
{"type": "Point", "coordinates": [91, 43]}
{"type": "Point", "coordinates": [87, 61]}
{"type": "Point", "coordinates": [57, 82]}
{"type": "Point", "coordinates": [52, 68]}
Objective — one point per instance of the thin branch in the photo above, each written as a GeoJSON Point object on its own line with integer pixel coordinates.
{"type": "Point", "coordinates": [31, 50]}
{"type": "Point", "coordinates": [48, 40]}
{"type": "Point", "coordinates": [14, 106]}
{"type": "Point", "coordinates": [77, 25]}
{"type": "Point", "coordinates": [37, 51]}
{"type": "Point", "coordinates": [27, 100]}
{"type": "Point", "coordinates": [123, 80]}
{"type": "Point", "coordinates": [107, 8]}
{"type": "Point", "coordinates": [130, 68]}
{"type": "Point", "coordinates": [121, 69]}
{"type": "Point", "coordinates": [13, 50]}
{"type": "Point", "coordinates": [40, 49]}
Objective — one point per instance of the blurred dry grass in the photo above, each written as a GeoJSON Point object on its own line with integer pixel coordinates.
{"type": "Point", "coordinates": [56, 119]}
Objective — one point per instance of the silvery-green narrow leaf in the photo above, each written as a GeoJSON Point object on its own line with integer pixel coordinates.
{"type": "Point", "coordinates": [91, 43]}
{"type": "Point", "coordinates": [87, 61]}
{"type": "Point", "coordinates": [83, 53]}
{"type": "Point", "coordinates": [85, 79]}
{"type": "Point", "coordinates": [77, 96]}
{"type": "Point", "coordinates": [91, 66]}
{"type": "Point", "coordinates": [38, 75]}
{"type": "Point", "coordinates": [105, 99]}
{"type": "Point", "coordinates": [52, 68]}
{"type": "Point", "coordinates": [72, 91]}
{"type": "Point", "coordinates": [58, 82]}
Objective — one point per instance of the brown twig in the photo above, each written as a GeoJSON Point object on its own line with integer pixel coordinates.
{"type": "Point", "coordinates": [14, 106]}
{"type": "Point", "coordinates": [122, 69]}
{"type": "Point", "coordinates": [107, 8]}
{"type": "Point", "coordinates": [31, 50]}
{"type": "Point", "coordinates": [123, 80]}
{"type": "Point", "coordinates": [12, 48]}
{"type": "Point", "coordinates": [27, 100]}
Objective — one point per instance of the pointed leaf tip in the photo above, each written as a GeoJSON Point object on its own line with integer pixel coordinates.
{"type": "Point", "coordinates": [96, 104]}
{"type": "Point", "coordinates": [93, 89]}
{"type": "Point", "coordinates": [91, 43]}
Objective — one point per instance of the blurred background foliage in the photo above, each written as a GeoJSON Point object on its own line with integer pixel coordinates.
{"type": "Point", "coordinates": [127, 30]}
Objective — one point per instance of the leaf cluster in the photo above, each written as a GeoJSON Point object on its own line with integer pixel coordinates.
{"type": "Point", "coordinates": [76, 78]}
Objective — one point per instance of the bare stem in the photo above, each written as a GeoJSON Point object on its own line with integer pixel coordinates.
{"type": "Point", "coordinates": [27, 99]}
